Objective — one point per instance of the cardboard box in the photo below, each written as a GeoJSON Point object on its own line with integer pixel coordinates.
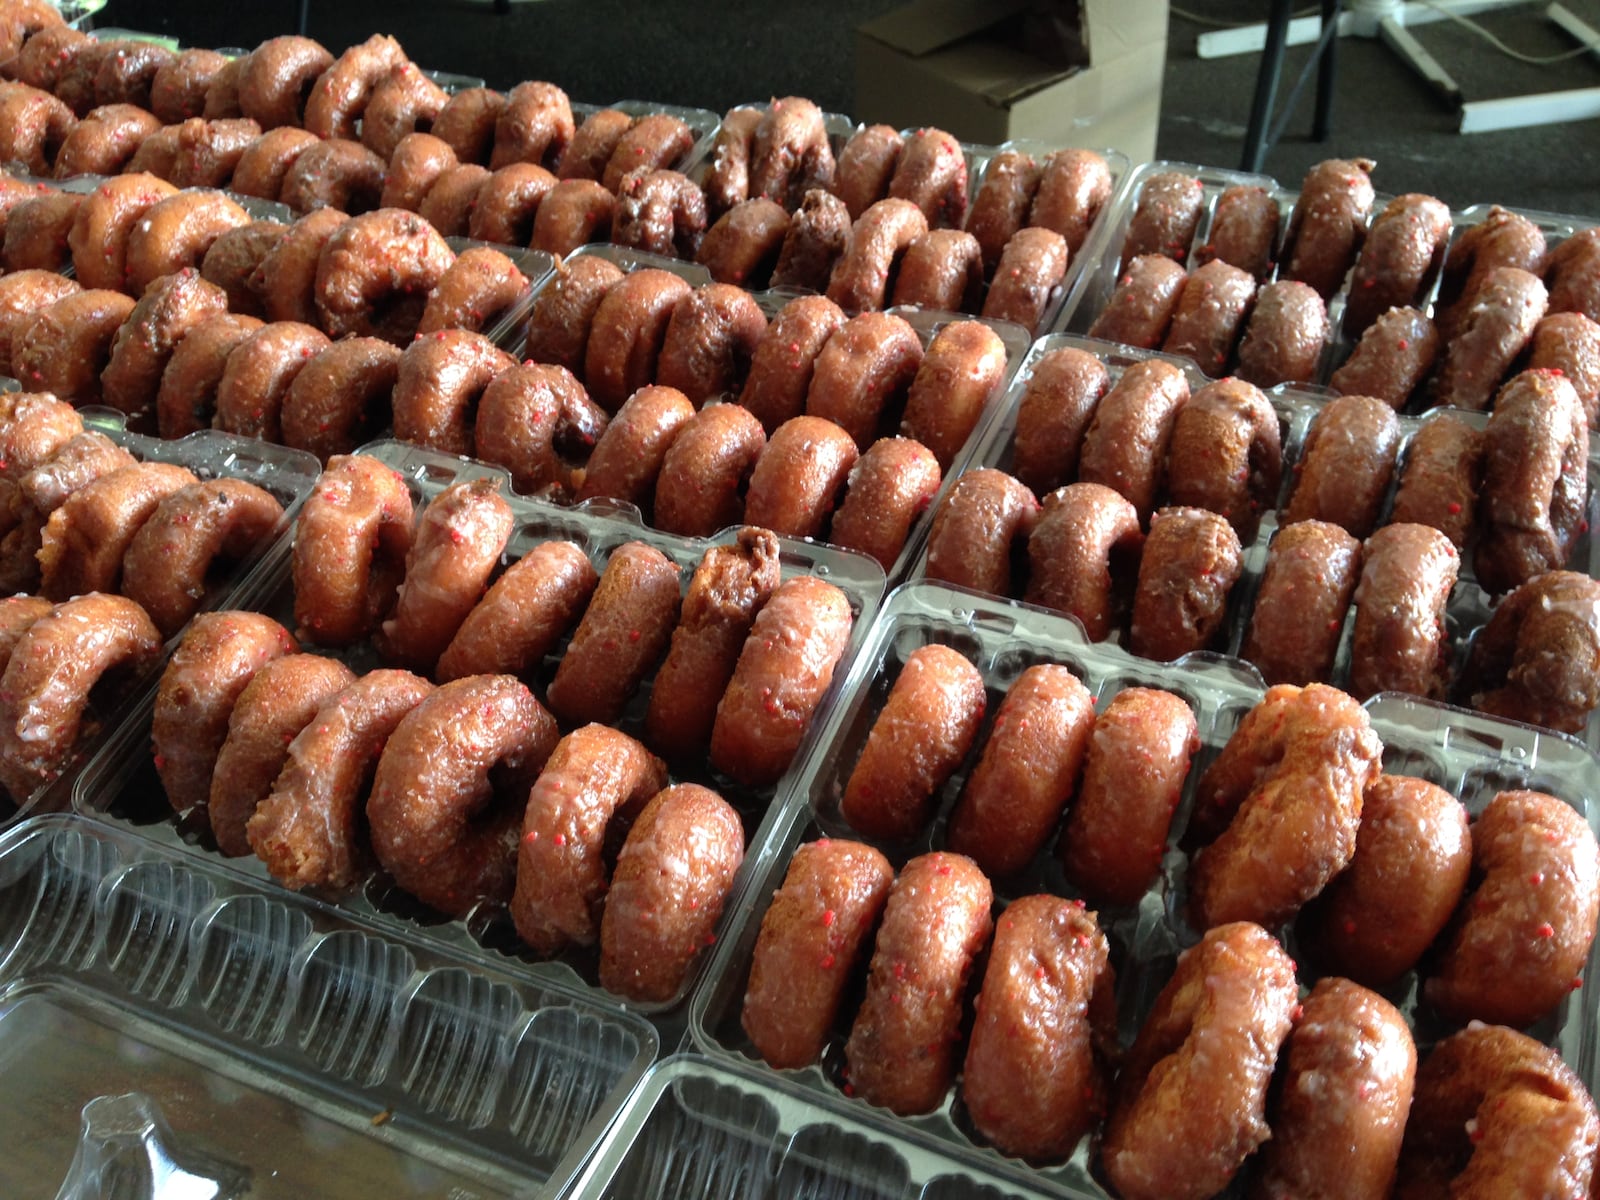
{"type": "Point", "coordinates": [956, 64]}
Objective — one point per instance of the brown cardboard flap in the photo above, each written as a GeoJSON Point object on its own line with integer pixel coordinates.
{"type": "Point", "coordinates": [929, 25]}
{"type": "Point", "coordinates": [1115, 28]}
{"type": "Point", "coordinates": [999, 74]}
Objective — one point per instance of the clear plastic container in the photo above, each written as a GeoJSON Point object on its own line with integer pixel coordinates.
{"type": "Point", "coordinates": [172, 1031]}
{"type": "Point", "coordinates": [1472, 755]}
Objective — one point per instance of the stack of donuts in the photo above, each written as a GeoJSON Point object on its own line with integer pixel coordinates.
{"type": "Point", "coordinates": [1293, 822]}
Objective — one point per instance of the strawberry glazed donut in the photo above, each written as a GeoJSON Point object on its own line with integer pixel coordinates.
{"type": "Point", "coordinates": [341, 92]}
{"type": "Point", "coordinates": [508, 202]}
{"type": "Point", "coordinates": [222, 97]}
{"type": "Point", "coordinates": [277, 79]}
{"type": "Point", "coordinates": [37, 232]}
{"type": "Point", "coordinates": [574, 212]}
{"type": "Point", "coordinates": [866, 165]}
{"type": "Point", "coordinates": [1073, 191]}
{"type": "Point", "coordinates": [534, 126]}
{"type": "Point", "coordinates": [1569, 342]}
{"type": "Point", "coordinates": [790, 153]}
{"type": "Point", "coordinates": [286, 279]}
{"type": "Point", "coordinates": [441, 379]}
{"type": "Point", "coordinates": [798, 478]}
{"type": "Point", "coordinates": [231, 262]}
{"type": "Point", "coordinates": [23, 293]}
{"type": "Point", "coordinates": [1190, 562]}
{"type": "Point", "coordinates": [655, 142]}
{"type": "Point", "coordinates": [861, 278]}
{"type": "Point", "coordinates": [902, 1049]}
{"type": "Point", "coordinates": [1190, 1102]}
{"type": "Point", "coordinates": [1244, 230]}
{"type": "Point", "coordinates": [453, 198]}
{"type": "Point", "coordinates": [1226, 455]}
{"type": "Point", "coordinates": [467, 122]}
{"type": "Point", "coordinates": [1285, 335]}
{"type": "Point", "coordinates": [85, 539]}
{"type": "Point", "coordinates": [862, 373]}
{"type": "Point", "coordinates": [921, 735]}
{"type": "Point", "coordinates": [308, 828]}
{"type": "Point", "coordinates": [1573, 273]}
{"type": "Point", "coordinates": [46, 55]}
{"type": "Point", "coordinates": [623, 634]}
{"type": "Point", "coordinates": [1403, 247]}
{"type": "Point", "coordinates": [17, 614]}
{"type": "Point", "coordinates": [1029, 770]}
{"type": "Point", "coordinates": [673, 876]}
{"type": "Point", "coordinates": [80, 461]}
{"type": "Point", "coordinates": [1140, 310]}
{"type": "Point", "coordinates": [1034, 1081]}
{"type": "Point", "coordinates": [1210, 314]}
{"type": "Point", "coordinates": [418, 162]}
{"type": "Point", "coordinates": [1501, 239]}
{"type": "Point", "coordinates": [1166, 217]}
{"type": "Point", "coordinates": [337, 174]}
{"type": "Point", "coordinates": [1138, 759]}
{"type": "Point", "coordinates": [406, 101]}
{"type": "Point", "coordinates": [932, 174]}
{"type": "Point", "coordinates": [537, 422]}
{"type": "Point", "coordinates": [1125, 447]}
{"type": "Point", "coordinates": [594, 774]}
{"type": "Point", "coordinates": [1002, 204]}
{"type": "Point", "coordinates": [351, 542]}
{"type": "Point", "coordinates": [813, 937]}
{"type": "Point", "coordinates": [978, 530]}
{"type": "Point", "coordinates": [784, 363]}
{"type": "Point", "coordinates": [1306, 589]}
{"type": "Point", "coordinates": [818, 232]}
{"type": "Point", "coordinates": [128, 71]}
{"type": "Point", "coordinates": [1395, 355]}
{"type": "Point", "coordinates": [786, 665]}
{"type": "Point", "coordinates": [1029, 272]}
{"type": "Point", "coordinates": [728, 589]}
{"type": "Point", "coordinates": [1345, 466]}
{"type": "Point", "coordinates": [1329, 223]}
{"type": "Point", "coordinates": [1536, 659]}
{"type": "Point", "coordinates": [176, 233]}
{"type": "Point", "coordinates": [890, 486]}
{"type": "Point", "coordinates": [1080, 553]}
{"type": "Point", "coordinates": [942, 269]}
{"type": "Point", "coordinates": [1400, 642]}
{"type": "Point", "coordinates": [711, 337]}
{"type": "Point", "coordinates": [1280, 805]}
{"type": "Point", "coordinates": [258, 376]}
{"type": "Point", "coordinates": [440, 824]}
{"type": "Point", "coordinates": [74, 85]}
{"type": "Point", "coordinates": [219, 655]}
{"type": "Point", "coordinates": [964, 366]}
{"type": "Point", "coordinates": [659, 211]}
{"type": "Point", "coordinates": [564, 311]}
{"type": "Point", "coordinates": [168, 310]}
{"type": "Point", "coordinates": [341, 397]}
{"type": "Point", "coordinates": [626, 336]}
{"type": "Point", "coordinates": [1493, 327]}
{"type": "Point", "coordinates": [743, 245]}
{"type": "Point", "coordinates": [208, 151]}
{"type": "Point", "coordinates": [64, 346]}
{"type": "Point", "coordinates": [706, 469]}
{"type": "Point", "coordinates": [523, 615]}
{"type": "Point", "coordinates": [156, 153]}
{"type": "Point", "coordinates": [44, 693]}
{"type": "Point", "coordinates": [375, 273]}
{"type": "Point", "coordinates": [627, 459]}
{"type": "Point", "coordinates": [104, 142]}
{"type": "Point", "coordinates": [1058, 402]}
{"type": "Point", "coordinates": [33, 428]}
{"type": "Point", "coordinates": [593, 144]}
{"type": "Point", "coordinates": [727, 180]}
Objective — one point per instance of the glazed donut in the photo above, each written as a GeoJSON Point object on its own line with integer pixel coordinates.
{"type": "Point", "coordinates": [1244, 230]}
{"type": "Point", "coordinates": [1030, 768]}
{"type": "Point", "coordinates": [1537, 658]}
{"type": "Point", "coordinates": [440, 381]}
{"type": "Point", "coordinates": [258, 376]}
{"type": "Point", "coordinates": [79, 461]}
{"type": "Point", "coordinates": [265, 163]}
{"type": "Point", "coordinates": [17, 615]}
{"type": "Point", "coordinates": [744, 244]}
{"type": "Point", "coordinates": [156, 153]}
{"type": "Point", "coordinates": [593, 144]}
{"type": "Point", "coordinates": [175, 233]}
{"type": "Point", "coordinates": [727, 590]}
{"type": "Point", "coordinates": [1279, 807]}
{"type": "Point", "coordinates": [208, 151]}
{"type": "Point", "coordinates": [340, 95]}
{"type": "Point", "coordinates": [1126, 443]}
{"type": "Point", "coordinates": [727, 180]}
{"type": "Point", "coordinates": [405, 101]}
{"type": "Point", "coordinates": [1137, 762]}
{"type": "Point", "coordinates": [1403, 247]}
{"type": "Point", "coordinates": [187, 397]}
{"type": "Point", "coordinates": [440, 825]}
{"type": "Point", "coordinates": [931, 172]}
{"type": "Point", "coordinates": [862, 275]}
{"type": "Point", "coordinates": [507, 202]}
{"type": "Point", "coordinates": [1532, 505]}
{"type": "Point", "coordinates": [673, 876]}
{"type": "Point", "coordinates": [797, 480]}
{"type": "Point", "coordinates": [457, 546]}
{"type": "Point", "coordinates": [1495, 1113]}
{"type": "Point", "coordinates": [812, 939]}
{"type": "Point", "coordinates": [1306, 589]}
{"type": "Point", "coordinates": [474, 292]}
{"type": "Point", "coordinates": [1033, 1081]}
{"type": "Point", "coordinates": [942, 269]}
{"type": "Point", "coordinates": [167, 565]}
{"type": "Point", "coordinates": [1572, 272]}
{"type": "Point", "coordinates": [64, 346]}
{"type": "Point", "coordinates": [22, 294]}
{"type": "Point", "coordinates": [1165, 218]}
{"type": "Point", "coordinates": [104, 142]}
{"type": "Point", "coordinates": [351, 542]}
{"type": "Point", "coordinates": [919, 738]}
{"type": "Point", "coordinates": [1527, 925]}
{"type": "Point", "coordinates": [564, 310]}
{"type": "Point", "coordinates": [1140, 310]}
{"type": "Point", "coordinates": [864, 370]}
{"type": "Point", "coordinates": [85, 539]}
{"type": "Point", "coordinates": [37, 232]}
{"type": "Point", "coordinates": [622, 636]}
{"type": "Point", "coordinates": [35, 127]}
{"type": "Point", "coordinates": [1190, 1101]}
{"type": "Point", "coordinates": [1002, 204]}
{"type": "Point", "coordinates": [983, 520]}
{"type": "Point", "coordinates": [628, 457]}
{"type": "Point", "coordinates": [1440, 480]}
{"type": "Point", "coordinates": [1501, 239]}
{"type": "Point", "coordinates": [522, 617]}
{"type": "Point", "coordinates": [1190, 562]}
{"type": "Point", "coordinates": [1400, 642]}
{"type": "Point", "coordinates": [534, 420]}
{"type": "Point", "coordinates": [711, 337]}
{"type": "Point", "coordinates": [337, 174]}
{"type": "Point", "coordinates": [286, 279]}
{"type": "Point", "coordinates": [1284, 336]}
{"type": "Point", "coordinates": [1074, 189]}
{"type": "Point", "coordinates": [534, 126]}
{"type": "Point", "coordinates": [661, 212]}
{"type": "Point", "coordinates": [216, 659]}
{"type": "Point", "coordinates": [453, 198]}
{"type": "Point", "coordinates": [222, 97]}
{"type": "Point", "coordinates": [44, 693]}
{"type": "Point", "coordinates": [1493, 326]}
{"type": "Point", "coordinates": [127, 72]}
{"type": "Point", "coordinates": [1394, 356]}
{"type": "Point", "coordinates": [654, 142]}
{"type": "Point", "coordinates": [276, 80]}
{"type": "Point", "coordinates": [784, 363]}
{"type": "Point", "coordinates": [901, 1053]}
{"type": "Point", "coordinates": [866, 165]}
{"type": "Point", "coordinates": [1568, 342]}
{"type": "Point", "coordinates": [1345, 465]}
{"type": "Point", "coordinates": [169, 308]}
{"type": "Point", "coordinates": [1211, 310]}
{"type": "Point", "coordinates": [790, 153]}
{"type": "Point", "coordinates": [307, 828]}
{"type": "Point", "coordinates": [1058, 402]}
{"type": "Point", "coordinates": [786, 665]}
{"type": "Point", "coordinates": [375, 273]}
{"type": "Point", "coordinates": [1341, 1114]}
{"type": "Point", "coordinates": [1329, 223]}
{"type": "Point", "coordinates": [467, 123]}
{"type": "Point", "coordinates": [232, 261]}
{"type": "Point", "coordinates": [1226, 455]}
{"type": "Point", "coordinates": [1086, 540]}
{"type": "Point", "coordinates": [706, 469]}
{"type": "Point", "coordinates": [1030, 271]}
{"type": "Point", "coordinates": [594, 774]}
{"type": "Point", "coordinates": [45, 55]}
{"type": "Point", "coordinates": [33, 428]}
{"type": "Point", "coordinates": [74, 85]}
{"type": "Point", "coordinates": [890, 486]}
{"type": "Point", "coordinates": [626, 335]}
{"type": "Point", "coordinates": [415, 166]}
{"type": "Point", "coordinates": [1413, 854]}
{"type": "Point", "coordinates": [965, 365]}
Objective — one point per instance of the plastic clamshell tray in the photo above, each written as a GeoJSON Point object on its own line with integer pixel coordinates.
{"type": "Point", "coordinates": [1472, 755]}
{"type": "Point", "coordinates": [170, 1028]}
{"type": "Point", "coordinates": [121, 784]}
{"type": "Point", "coordinates": [288, 474]}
